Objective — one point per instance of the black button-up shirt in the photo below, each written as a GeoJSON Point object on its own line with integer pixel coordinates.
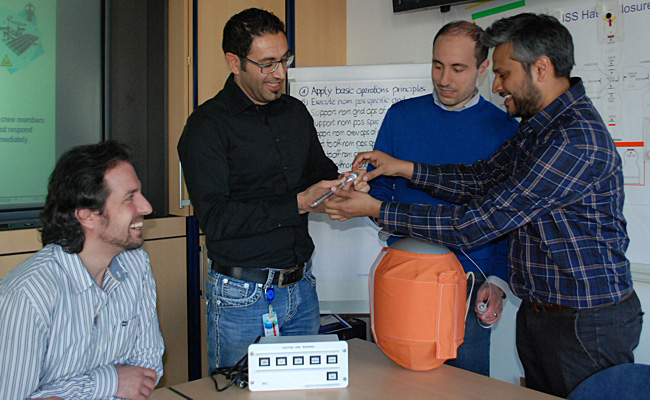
{"type": "Point", "coordinates": [244, 164]}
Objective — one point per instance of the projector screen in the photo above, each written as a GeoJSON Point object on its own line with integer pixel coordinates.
{"type": "Point", "coordinates": [51, 75]}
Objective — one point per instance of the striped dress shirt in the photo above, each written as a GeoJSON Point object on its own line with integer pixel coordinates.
{"type": "Point", "coordinates": [555, 188]}
{"type": "Point", "coordinates": [61, 334]}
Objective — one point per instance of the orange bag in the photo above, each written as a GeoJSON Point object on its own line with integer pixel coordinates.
{"type": "Point", "coordinates": [418, 305]}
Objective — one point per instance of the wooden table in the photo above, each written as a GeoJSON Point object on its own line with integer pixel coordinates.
{"type": "Point", "coordinates": [373, 376]}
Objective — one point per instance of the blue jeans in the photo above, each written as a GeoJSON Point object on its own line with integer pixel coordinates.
{"type": "Point", "coordinates": [234, 312]}
{"type": "Point", "coordinates": [474, 353]}
{"type": "Point", "coordinates": [560, 349]}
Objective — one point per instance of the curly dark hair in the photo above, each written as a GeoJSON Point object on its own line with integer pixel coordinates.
{"type": "Point", "coordinates": [241, 29]}
{"type": "Point", "coordinates": [77, 182]}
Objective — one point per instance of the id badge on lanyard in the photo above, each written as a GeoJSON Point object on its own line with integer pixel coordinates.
{"type": "Point", "coordinates": [270, 319]}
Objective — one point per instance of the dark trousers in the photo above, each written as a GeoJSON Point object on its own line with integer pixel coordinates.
{"type": "Point", "coordinates": [560, 349]}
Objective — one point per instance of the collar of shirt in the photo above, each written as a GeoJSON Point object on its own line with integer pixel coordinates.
{"type": "Point", "coordinates": [472, 102]}
{"type": "Point", "coordinates": [238, 99]}
{"type": "Point", "coordinates": [544, 118]}
{"type": "Point", "coordinates": [115, 274]}
{"type": "Point", "coordinates": [79, 276]}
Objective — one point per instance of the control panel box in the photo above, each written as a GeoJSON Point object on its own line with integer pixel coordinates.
{"type": "Point", "coordinates": [298, 362]}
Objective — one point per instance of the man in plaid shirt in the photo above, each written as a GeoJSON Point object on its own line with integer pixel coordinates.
{"type": "Point", "coordinates": [555, 189]}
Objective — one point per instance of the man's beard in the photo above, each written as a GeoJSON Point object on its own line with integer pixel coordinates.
{"type": "Point", "coordinates": [527, 101]}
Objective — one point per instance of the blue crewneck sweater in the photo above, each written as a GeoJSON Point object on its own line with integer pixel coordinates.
{"type": "Point", "coordinates": [419, 130]}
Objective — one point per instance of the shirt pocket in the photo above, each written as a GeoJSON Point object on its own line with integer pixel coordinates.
{"type": "Point", "coordinates": [125, 333]}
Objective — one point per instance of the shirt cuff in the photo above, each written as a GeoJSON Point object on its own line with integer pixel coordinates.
{"type": "Point", "coordinates": [105, 379]}
{"type": "Point", "coordinates": [500, 283]}
{"type": "Point", "coordinates": [392, 215]}
{"type": "Point", "coordinates": [418, 171]}
{"type": "Point", "coordinates": [424, 175]}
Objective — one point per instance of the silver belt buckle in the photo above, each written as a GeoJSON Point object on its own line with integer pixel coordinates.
{"type": "Point", "coordinates": [281, 276]}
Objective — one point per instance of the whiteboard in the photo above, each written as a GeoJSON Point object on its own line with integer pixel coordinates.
{"type": "Point", "coordinates": [348, 104]}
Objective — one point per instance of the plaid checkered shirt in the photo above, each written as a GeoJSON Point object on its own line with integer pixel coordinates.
{"type": "Point", "coordinates": [555, 189]}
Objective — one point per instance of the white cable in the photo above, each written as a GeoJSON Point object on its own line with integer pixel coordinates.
{"type": "Point", "coordinates": [469, 299]}
{"type": "Point", "coordinates": [481, 324]}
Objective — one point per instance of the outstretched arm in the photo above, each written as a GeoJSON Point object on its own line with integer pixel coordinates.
{"type": "Point", "coordinates": [384, 165]}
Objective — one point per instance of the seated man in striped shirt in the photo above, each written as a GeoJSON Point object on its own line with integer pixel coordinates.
{"type": "Point", "coordinates": [555, 190]}
{"type": "Point", "coordinates": [78, 319]}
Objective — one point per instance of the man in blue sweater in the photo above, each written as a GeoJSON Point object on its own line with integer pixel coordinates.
{"type": "Point", "coordinates": [454, 125]}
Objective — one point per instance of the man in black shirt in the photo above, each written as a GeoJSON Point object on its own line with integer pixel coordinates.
{"type": "Point", "coordinates": [253, 165]}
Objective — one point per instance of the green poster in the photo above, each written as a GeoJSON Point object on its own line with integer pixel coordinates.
{"type": "Point", "coordinates": [27, 99]}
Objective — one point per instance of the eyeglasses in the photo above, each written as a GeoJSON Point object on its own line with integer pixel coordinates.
{"type": "Point", "coordinates": [269, 68]}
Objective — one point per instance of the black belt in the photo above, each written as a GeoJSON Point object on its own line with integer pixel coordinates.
{"type": "Point", "coordinates": [281, 277]}
{"type": "Point", "coordinates": [549, 307]}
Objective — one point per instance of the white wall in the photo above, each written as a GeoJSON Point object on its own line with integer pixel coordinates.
{"type": "Point", "coordinates": [377, 36]}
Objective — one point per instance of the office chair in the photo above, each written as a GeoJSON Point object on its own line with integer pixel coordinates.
{"type": "Point", "coordinates": [620, 382]}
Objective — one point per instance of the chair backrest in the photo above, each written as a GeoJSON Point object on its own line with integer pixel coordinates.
{"type": "Point", "coordinates": [620, 382]}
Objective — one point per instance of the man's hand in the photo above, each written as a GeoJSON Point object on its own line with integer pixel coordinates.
{"type": "Point", "coordinates": [135, 383]}
{"type": "Point", "coordinates": [312, 194]}
{"type": "Point", "coordinates": [384, 165]}
{"type": "Point", "coordinates": [360, 184]}
{"type": "Point", "coordinates": [350, 203]}
{"type": "Point", "coordinates": [494, 306]}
